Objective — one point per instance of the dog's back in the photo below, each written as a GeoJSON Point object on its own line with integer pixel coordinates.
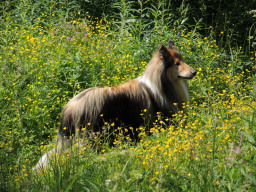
{"type": "Point", "coordinates": [94, 107]}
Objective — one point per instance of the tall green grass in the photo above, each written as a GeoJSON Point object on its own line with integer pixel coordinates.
{"type": "Point", "coordinates": [46, 62]}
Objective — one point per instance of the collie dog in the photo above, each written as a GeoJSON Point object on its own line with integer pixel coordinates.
{"type": "Point", "coordinates": [161, 88]}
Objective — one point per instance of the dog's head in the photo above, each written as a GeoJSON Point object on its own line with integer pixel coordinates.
{"type": "Point", "coordinates": [174, 64]}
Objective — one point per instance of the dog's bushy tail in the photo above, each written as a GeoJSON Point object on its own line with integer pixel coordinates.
{"type": "Point", "coordinates": [44, 161]}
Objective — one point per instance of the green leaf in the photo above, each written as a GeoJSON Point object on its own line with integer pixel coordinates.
{"type": "Point", "coordinates": [92, 185]}
{"type": "Point", "coordinates": [249, 137]}
{"type": "Point", "coordinates": [71, 184]}
{"type": "Point", "coordinates": [250, 177]}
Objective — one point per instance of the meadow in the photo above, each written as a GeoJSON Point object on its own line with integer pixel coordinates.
{"type": "Point", "coordinates": [43, 65]}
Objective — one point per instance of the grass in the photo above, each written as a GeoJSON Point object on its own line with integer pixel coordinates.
{"type": "Point", "coordinates": [211, 148]}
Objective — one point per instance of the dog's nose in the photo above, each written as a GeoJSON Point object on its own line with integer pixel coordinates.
{"type": "Point", "coordinates": [194, 72]}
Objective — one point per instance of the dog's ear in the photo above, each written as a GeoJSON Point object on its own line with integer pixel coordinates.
{"type": "Point", "coordinates": [164, 53]}
{"type": "Point", "coordinates": [171, 44]}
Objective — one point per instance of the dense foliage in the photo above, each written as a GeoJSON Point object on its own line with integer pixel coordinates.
{"type": "Point", "coordinates": [230, 22]}
{"type": "Point", "coordinates": [52, 50]}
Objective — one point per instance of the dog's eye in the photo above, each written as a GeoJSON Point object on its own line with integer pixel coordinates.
{"type": "Point", "coordinates": [178, 63]}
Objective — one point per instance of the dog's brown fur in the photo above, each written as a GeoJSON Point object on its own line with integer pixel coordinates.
{"type": "Point", "coordinates": [161, 88]}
